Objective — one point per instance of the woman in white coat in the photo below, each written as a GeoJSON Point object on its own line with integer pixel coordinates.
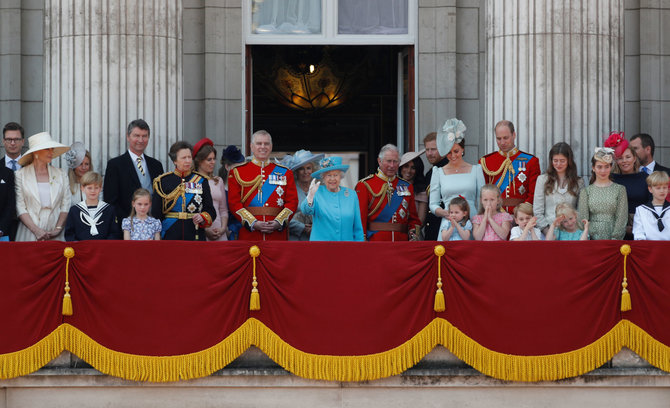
{"type": "Point", "coordinates": [42, 196]}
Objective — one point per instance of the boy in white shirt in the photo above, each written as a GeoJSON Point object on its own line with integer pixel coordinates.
{"type": "Point", "coordinates": [652, 220]}
{"type": "Point", "coordinates": [525, 229]}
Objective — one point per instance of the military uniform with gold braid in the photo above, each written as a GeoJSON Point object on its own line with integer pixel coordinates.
{"type": "Point", "coordinates": [388, 209]}
{"type": "Point", "coordinates": [177, 198]}
{"type": "Point", "coordinates": [515, 174]}
{"type": "Point", "coordinates": [262, 191]}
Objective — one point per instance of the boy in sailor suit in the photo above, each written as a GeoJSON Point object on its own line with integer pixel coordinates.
{"type": "Point", "coordinates": [91, 218]}
{"type": "Point", "coordinates": [652, 220]}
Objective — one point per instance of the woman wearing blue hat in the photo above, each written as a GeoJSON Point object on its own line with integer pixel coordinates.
{"type": "Point", "coordinates": [303, 164]}
{"type": "Point", "coordinates": [335, 208]}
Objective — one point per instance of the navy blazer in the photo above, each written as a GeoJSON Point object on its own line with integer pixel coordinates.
{"type": "Point", "coordinates": [121, 181]}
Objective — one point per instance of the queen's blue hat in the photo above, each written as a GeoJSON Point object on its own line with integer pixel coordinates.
{"type": "Point", "coordinates": [329, 164]}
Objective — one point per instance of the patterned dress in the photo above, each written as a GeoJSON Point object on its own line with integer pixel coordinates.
{"type": "Point", "coordinates": [606, 208]}
{"type": "Point", "coordinates": [489, 233]}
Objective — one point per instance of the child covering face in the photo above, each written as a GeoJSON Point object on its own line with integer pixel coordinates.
{"type": "Point", "coordinates": [458, 227]}
{"type": "Point", "coordinates": [491, 224]}
{"type": "Point", "coordinates": [566, 227]}
{"type": "Point", "coordinates": [526, 229]}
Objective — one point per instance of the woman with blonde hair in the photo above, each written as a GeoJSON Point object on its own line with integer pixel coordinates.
{"type": "Point", "coordinates": [78, 161]}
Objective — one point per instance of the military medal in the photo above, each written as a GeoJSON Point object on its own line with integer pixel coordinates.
{"type": "Point", "coordinates": [191, 208]}
{"type": "Point", "coordinates": [402, 213]}
{"type": "Point", "coordinates": [280, 191]}
{"type": "Point", "coordinates": [198, 198]}
{"type": "Point", "coordinates": [522, 177]}
{"type": "Point", "coordinates": [404, 204]}
{"type": "Point", "coordinates": [522, 190]}
{"type": "Point", "coordinates": [280, 202]}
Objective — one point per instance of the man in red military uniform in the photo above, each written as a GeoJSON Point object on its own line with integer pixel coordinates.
{"type": "Point", "coordinates": [262, 194]}
{"type": "Point", "coordinates": [513, 171]}
{"type": "Point", "coordinates": [388, 210]}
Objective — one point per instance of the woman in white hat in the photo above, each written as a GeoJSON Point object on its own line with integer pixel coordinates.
{"type": "Point", "coordinates": [42, 199]}
{"type": "Point", "coordinates": [303, 164]}
{"type": "Point", "coordinates": [337, 215]}
{"type": "Point", "coordinates": [78, 160]}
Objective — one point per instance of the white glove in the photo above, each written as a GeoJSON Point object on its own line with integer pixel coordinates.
{"type": "Point", "coordinates": [314, 185]}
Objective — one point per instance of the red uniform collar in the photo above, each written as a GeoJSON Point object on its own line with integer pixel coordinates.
{"type": "Point", "coordinates": [260, 163]}
{"type": "Point", "coordinates": [382, 176]}
{"type": "Point", "coordinates": [510, 153]}
{"type": "Point", "coordinates": [182, 174]}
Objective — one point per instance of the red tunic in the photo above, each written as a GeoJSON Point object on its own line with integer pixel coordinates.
{"type": "Point", "coordinates": [390, 202]}
{"type": "Point", "coordinates": [515, 177]}
{"type": "Point", "coordinates": [262, 192]}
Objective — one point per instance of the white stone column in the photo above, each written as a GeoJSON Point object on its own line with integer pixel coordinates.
{"type": "Point", "coordinates": [107, 63]}
{"type": "Point", "coordinates": [555, 68]}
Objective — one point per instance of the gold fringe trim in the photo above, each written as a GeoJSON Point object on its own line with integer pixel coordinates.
{"type": "Point", "coordinates": [31, 359]}
{"type": "Point", "coordinates": [647, 347]}
{"type": "Point", "coordinates": [157, 368]}
{"type": "Point", "coordinates": [337, 368]}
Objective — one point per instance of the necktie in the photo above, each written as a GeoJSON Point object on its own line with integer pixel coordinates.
{"type": "Point", "coordinates": [644, 169]}
{"type": "Point", "coordinates": [13, 163]}
{"type": "Point", "coordinates": [139, 165]}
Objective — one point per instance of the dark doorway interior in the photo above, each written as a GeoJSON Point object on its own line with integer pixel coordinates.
{"type": "Point", "coordinates": [352, 106]}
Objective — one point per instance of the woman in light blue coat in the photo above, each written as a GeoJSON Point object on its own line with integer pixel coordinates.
{"type": "Point", "coordinates": [335, 210]}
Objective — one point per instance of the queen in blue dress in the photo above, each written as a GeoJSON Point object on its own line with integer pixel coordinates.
{"type": "Point", "coordinates": [335, 210]}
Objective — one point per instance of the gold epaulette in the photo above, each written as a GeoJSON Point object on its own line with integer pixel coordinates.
{"type": "Point", "coordinates": [366, 178]}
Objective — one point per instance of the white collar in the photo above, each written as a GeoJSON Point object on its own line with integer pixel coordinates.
{"type": "Point", "coordinates": [651, 165]}
{"type": "Point", "coordinates": [134, 156]}
{"type": "Point", "coordinates": [90, 216]}
{"type": "Point", "coordinates": [9, 159]}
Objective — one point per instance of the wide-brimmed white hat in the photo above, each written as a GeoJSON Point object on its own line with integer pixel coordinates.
{"type": "Point", "coordinates": [41, 141]}
{"type": "Point", "coordinates": [409, 156]}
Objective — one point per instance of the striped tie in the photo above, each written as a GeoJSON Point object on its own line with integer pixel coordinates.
{"type": "Point", "coordinates": [139, 165]}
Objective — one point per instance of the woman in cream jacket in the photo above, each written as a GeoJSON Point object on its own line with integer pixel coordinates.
{"type": "Point", "coordinates": [42, 197]}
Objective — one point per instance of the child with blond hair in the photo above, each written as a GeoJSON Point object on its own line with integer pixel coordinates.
{"type": "Point", "coordinates": [491, 224]}
{"type": "Point", "coordinates": [566, 225]}
{"type": "Point", "coordinates": [526, 222]}
{"type": "Point", "coordinates": [652, 220]}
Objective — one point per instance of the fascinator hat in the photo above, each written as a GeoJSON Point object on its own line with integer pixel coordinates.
{"type": "Point", "coordinates": [329, 164]}
{"type": "Point", "coordinates": [451, 132]}
{"type": "Point", "coordinates": [300, 158]}
{"type": "Point", "coordinates": [75, 156]}
{"type": "Point", "coordinates": [604, 154]}
{"type": "Point", "coordinates": [232, 154]}
{"type": "Point", "coordinates": [42, 141]}
{"type": "Point", "coordinates": [201, 143]}
{"type": "Point", "coordinates": [618, 142]}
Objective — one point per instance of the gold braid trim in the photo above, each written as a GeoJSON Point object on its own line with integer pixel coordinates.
{"type": "Point", "coordinates": [246, 216]}
{"type": "Point", "coordinates": [169, 200]}
{"type": "Point", "coordinates": [505, 167]}
{"type": "Point", "coordinates": [254, 184]}
{"type": "Point", "coordinates": [282, 217]}
{"type": "Point", "coordinates": [383, 190]}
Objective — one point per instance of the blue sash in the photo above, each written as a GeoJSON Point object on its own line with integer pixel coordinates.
{"type": "Point", "coordinates": [516, 164]}
{"type": "Point", "coordinates": [167, 223]}
{"type": "Point", "coordinates": [267, 189]}
{"type": "Point", "coordinates": [387, 213]}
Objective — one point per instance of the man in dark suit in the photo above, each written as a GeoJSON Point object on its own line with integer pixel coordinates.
{"type": "Point", "coordinates": [432, 224]}
{"type": "Point", "coordinates": [13, 138]}
{"type": "Point", "coordinates": [643, 146]}
{"type": "Point", "coordinates": [131, 170]}
{"type": "Point", "coordinates": [7, 201]}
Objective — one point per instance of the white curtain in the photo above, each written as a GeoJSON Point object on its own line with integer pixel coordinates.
{"type": "Point", "coordinates": [286, 16]}
{"type": "Point", "coordinates": [372, 16]}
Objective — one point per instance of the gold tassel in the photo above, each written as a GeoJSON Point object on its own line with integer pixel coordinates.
{"type": "Point", "coordinates": [255, 301]}
{"type": "Point", "coordinates": [626, 304]}
{"type": "Point", "coordinates": [439, 305]}
{"type": "Point", "coordinates": [67, 299]}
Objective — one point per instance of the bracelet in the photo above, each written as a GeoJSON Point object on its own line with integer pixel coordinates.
{"type": "Point", "coordinates": [59, 228]}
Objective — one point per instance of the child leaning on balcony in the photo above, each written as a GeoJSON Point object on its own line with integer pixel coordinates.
{"type": "Point", "coordinates": [491, 224]}
{"type": "Point", "coordinates": [526, 222]}
{"type": "Point", "coordinates": [652, 220]}
{"type": "Point", "coordinates": [566, 226]}
{"type": "Point", "coordinates": [140, 226]}
{"type": "Point", "coordinates": [91, 218]}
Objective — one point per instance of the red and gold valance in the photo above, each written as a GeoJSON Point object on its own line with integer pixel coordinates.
{"type": "Point", "coordinates": [164, 311]}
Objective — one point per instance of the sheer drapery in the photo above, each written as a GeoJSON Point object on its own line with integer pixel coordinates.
{"type": "Point", "coordinates": [372, 17]}
{"type": "Point", "coordinates": [286, 16]}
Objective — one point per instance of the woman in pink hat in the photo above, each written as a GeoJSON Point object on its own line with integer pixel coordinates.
{"type": "Point", "coordinates": [42, 197]}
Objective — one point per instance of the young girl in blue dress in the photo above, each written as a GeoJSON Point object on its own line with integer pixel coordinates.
{"type": "Point", "coordinates": [140, 226]}
{"type": "Point", "coordinates": [458, 226]}
{"type": "Point", "coordinates": [566, 225]}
